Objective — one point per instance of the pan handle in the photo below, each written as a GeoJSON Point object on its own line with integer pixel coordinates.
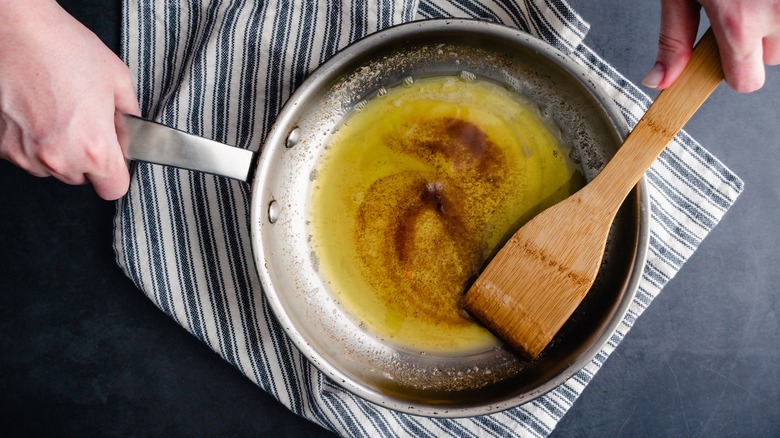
{"type": "Point", "coordinates": [144, 140]}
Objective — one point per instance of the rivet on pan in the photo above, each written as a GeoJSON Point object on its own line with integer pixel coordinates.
{"type": "Point", "coordinates": [293, 138]}
{"type": "Point", "coordinates": [273, 211]}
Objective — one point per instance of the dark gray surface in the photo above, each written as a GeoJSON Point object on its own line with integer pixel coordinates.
{"type": "Point", "coordinates": [84, 353]}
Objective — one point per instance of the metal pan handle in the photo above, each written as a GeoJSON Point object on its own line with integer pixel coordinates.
{"type": "Point", "coordinates": [144, 140]}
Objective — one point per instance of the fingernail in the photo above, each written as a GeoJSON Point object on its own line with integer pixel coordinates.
{"type": "Point", "coordinates": [655, 76]}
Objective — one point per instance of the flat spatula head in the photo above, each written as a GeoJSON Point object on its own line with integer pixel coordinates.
{"type": "Point", "coordinates": [537, 280]}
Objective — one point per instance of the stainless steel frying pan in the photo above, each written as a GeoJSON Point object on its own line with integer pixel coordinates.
{"type": "Point", "coordinates": [282, 177]}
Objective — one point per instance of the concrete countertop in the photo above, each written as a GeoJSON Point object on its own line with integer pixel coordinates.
{"type": "Point", "coordinates": [84, 353]}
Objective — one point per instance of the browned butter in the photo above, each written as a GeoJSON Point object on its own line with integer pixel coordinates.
{"type": "Point", "coordinates": [416, 190]}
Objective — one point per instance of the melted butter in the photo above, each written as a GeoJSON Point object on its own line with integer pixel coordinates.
{"type": "Point", "coordinates": [416, 191]}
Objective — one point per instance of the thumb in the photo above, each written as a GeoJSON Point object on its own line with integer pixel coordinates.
{"type": "Point", "coordinates": [125, 99]}
{"type": "Point", "coordinates": [679, 24]}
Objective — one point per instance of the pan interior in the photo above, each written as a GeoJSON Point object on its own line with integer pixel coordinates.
{"type": "Point", "coordinates": [421, 185]}
{"type": "Point", "coordinates": [404, 379]}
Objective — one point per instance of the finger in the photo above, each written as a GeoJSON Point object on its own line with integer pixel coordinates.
{"type": "Point", "coordinates": [47, 159]}
{"type": "Point", "coordinates": [679, 23]}
{"type": "Point", "coordinates": [742, 56]}
{"type": "Point", "coordinates": [20, 160]}
{"type": "Point", "coordinates": [125, 99]}
{"type": "Point", "coordinates": [112, 180]}
{"type": "Point", "coordinates": [74, 179]}
{"type": "Point", "coordinates": [771, 48]}
{"type": "Point", "coordinates": [104, 164]}
{"type": "Point", "coordinates": [37, 172]}
{"type": "Point", "coordinates": [43, 170]}
{"type": "Point", "coordinates": [125, 102]}
{"type": "Point", "coordinates": [746, 74]}
{"type": "Point", "coordinates": [110, 188]}
{"type": "Point", "coordinates": [739, 30]}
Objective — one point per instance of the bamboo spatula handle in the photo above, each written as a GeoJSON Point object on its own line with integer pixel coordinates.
{"type": "Point", "coordinates": [667, 115]}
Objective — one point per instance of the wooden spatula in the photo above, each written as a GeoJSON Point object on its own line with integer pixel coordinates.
{"type": "Point", "coordinates": [535, 282]}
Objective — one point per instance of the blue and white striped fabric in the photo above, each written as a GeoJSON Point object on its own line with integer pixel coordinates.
{"type": "Point", "coordinates": [223, 69]}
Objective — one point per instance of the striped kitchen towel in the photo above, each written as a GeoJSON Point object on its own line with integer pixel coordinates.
{"type": "Point", "coordinates": [222, 69]}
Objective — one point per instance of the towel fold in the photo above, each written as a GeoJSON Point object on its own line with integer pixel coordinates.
{"type": "Point", "coordinates": [223, 69]}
